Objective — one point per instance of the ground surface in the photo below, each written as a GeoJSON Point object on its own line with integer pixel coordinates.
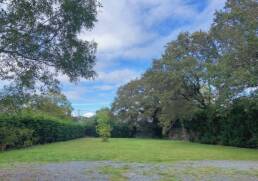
{"type": "Point", "coordinates": [129, 159]}
{"type": "Point", "coordinates": [121, 171]}
{"type": "Point", "coordinates": [129, 150]}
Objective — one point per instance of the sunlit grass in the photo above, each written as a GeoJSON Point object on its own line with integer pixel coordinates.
{"type": "Point", "coordinates": [129, 150]}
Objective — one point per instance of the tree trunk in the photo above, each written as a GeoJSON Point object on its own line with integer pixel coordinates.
{"type": "Point", "coordinates": [2, 147]}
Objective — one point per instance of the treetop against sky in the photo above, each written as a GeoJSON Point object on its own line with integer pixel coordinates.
{"type": "Point", "coordinates": [130, 34]}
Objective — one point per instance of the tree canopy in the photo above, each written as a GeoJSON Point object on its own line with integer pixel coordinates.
{"type": "Point", "coordinates": [197, 71]}
{"type": "Point", "coordinates": [39, 39]}
{"type": "Point", "coordinates": [51, 103]}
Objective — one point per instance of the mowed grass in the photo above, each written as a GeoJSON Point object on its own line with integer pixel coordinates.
{"type": "Point", "coordinates": [129, 150]}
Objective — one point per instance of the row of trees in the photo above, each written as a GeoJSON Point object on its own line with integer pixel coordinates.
{"type": "Point", "coordinates": [198, 72]}
{"type": "Point", "coordinates": [50, 103]}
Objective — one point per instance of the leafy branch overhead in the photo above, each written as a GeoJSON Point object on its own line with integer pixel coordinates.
{"type": "Point", "coordinates": [39, 39]}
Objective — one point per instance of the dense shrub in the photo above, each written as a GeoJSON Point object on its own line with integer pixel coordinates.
{"type": "Point", "coordinates": [15, 137]}
{"type": "Point", "coordinates": [240, 124]}
{"type": "Point", "coordinates": [121, 130]}
{"type": "Point", "coordinates": [90, 127]}
{"type": "Point", "coordinates": [16, 130]}
{"type": "Point", "coordinates": [204, 127]}
{"type": "Point", "coordinates": [237, 125]}
{"type": "Point", "coordinates": [103, 129]}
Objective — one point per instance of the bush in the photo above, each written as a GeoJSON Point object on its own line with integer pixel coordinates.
{"type": "Point", "coordinates": [7, 138]}
{"type": "Point", "coordinates": [15, 137]}
{"type": "Point", "coordinates": [240, 124]}
{"type": "Point", "coordinates": [90, 127]}
{"type": "Point", "coordinates": [103, 129]}
{"type": "Point", "coordinates": [121, 130]}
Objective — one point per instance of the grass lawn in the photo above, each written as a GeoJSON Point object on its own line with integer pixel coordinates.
{"type": "Point", "coordinates": [129, 150]}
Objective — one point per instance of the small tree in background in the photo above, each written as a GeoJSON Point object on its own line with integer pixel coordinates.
{"type": "Point", "coordinates": [103, 127]}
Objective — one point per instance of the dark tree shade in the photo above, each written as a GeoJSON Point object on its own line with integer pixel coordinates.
{"type": "Point", "coordinates": [39, 38]}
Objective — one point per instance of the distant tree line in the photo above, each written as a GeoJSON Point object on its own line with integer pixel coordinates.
{"type": "Point", "coordinates": [205, 83]}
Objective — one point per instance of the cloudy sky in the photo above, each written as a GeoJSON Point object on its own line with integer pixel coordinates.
{"type": "Point", "coordinates": [130, 34]}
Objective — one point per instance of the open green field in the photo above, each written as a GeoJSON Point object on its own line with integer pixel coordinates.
{"type": "Point", "coordinates": [129, 150]}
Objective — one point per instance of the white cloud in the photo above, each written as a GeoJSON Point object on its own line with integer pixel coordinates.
{"type": "Point", "coordinates": [161, 10]}
{"type": "Point", "coordinates": [105, 87]}
{"type": "Point", "coordinates": [200, 21]}
{"type": "Point", "coordinates": [92, 91]}
{"type": "Point", "coordinates": [89, 114]}
{"type": "Point", "coordinates": [76, 93]}
{"type": "Point", "coordinates": [89, 104]}
{"type": "Point", "coordinates": [118, 77]}
{"type": "Point", "coordinates": [204, 19]}
{"type": "Point", "coordinates": [125, 27]}
{"type": "Point", "coordinates": [117, 28]}
{"type": "Point", "coordinates": [109, 80]}
{"type": "Point", "coordinates": [63, 78]}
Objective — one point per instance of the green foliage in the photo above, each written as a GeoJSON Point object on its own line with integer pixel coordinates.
{"type": "Point", "coordinates": [103, 127]}
{"type": "Point", "coordinates": [37, 37]}
{"type": "Point", "coordinates": [50, 103]}
{"type": "Point", "coordinates": [54, 104]}
{"type": "Point", "coordinates": [235, 126]}
{"type": "Point", "coordinates": [199, 78]}
{"type": "Point", "coordinates": [15, 137]}
{"type": "Point", "coordinates": [174, 87]}
{"type": "Point", "coordinates": [44, 129]}
{"type": "Point", "coordinates": [235, 32]}
{"type": "Point", "coordinates": [137, 108]}
{"type": "Point", "coordinates": [240, 124]}
{"type": "Point", "coordinates": [90, 126]}
{"type": "Point", "coordinates": [121, 130]}
{"type": "Point", "coordinates": [7, 137]}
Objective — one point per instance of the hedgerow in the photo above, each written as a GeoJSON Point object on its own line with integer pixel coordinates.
{"type": "Point", "coordinates": [37, 128]}
{"type": "Point", "coordinates": [235, 126]}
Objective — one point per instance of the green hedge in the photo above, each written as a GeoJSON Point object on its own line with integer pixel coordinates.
{"type": "Point", "coordinates": [44, 129]}
{"type": "Point", "coordinates": [15, 137]}
{"type": "Point", "coordinates": [240, 124]}
{"type": "Point", "coordinates": [121, 130]}
{"type": "Point", "coordinates": [235, 126]}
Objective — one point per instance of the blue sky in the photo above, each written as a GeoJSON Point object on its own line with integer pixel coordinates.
{"type": "Point", "coordinates": [130, 34]}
